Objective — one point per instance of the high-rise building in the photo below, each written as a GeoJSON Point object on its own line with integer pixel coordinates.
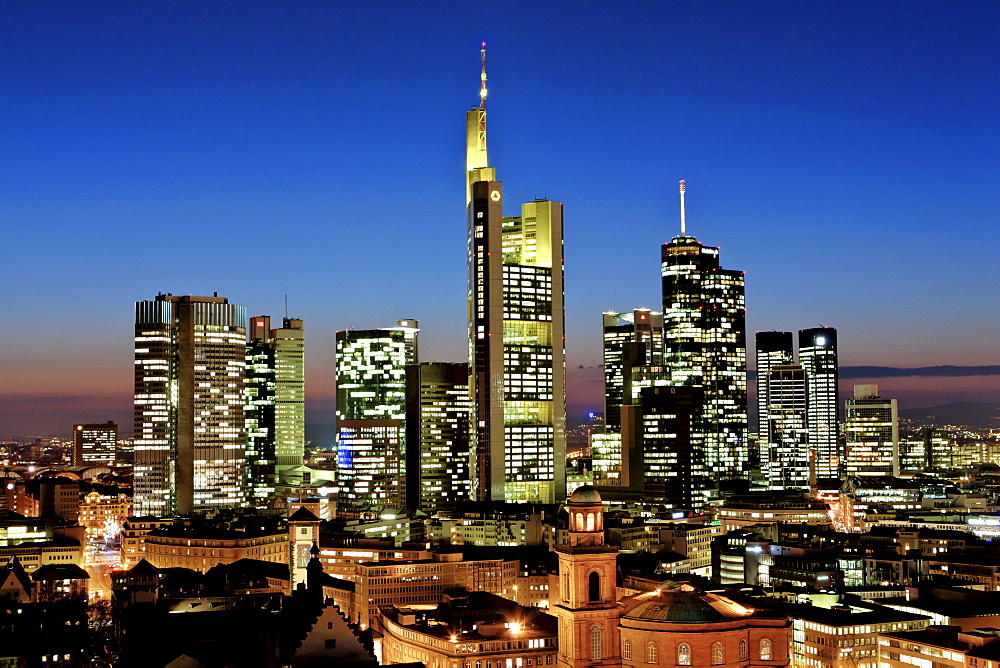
{"type": "Point", "coordinates": [517, 361]}
{"type": "Point", "coordinates": [673, 467]}
{"type": "Point", "coordinates": [784, 441]}
{"type": "Point", "coordinates": [275, 403]}
{"type": "Point", "coordinates": [95, 444]}
{"type": "Point", "coordinates": [818, 357]}
{"type": "Point", "coordinates": [704, 345]}
{"type": "Point", "coordinates": [630, 339]}
{"type": "Point", "coordinates": [190, 445]}
{"type": "Point", "coordinates": [871, 434]}
{"type": "Point", "coordinates": [437, 435]}
{"type": "Point", "coordinates": [371, 412]}
{"type": "Point", "coordinates": [773, 348]}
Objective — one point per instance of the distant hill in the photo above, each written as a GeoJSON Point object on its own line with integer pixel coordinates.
{"type": "Point", "coordinates": [897, 372]}
{"type": "Point", "coordinates": [965, 413]}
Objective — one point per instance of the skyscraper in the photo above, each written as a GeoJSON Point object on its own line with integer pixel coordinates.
{"type": "Point", "coordinates": [704, 345]}
{"type": "Point", "coordinates": [630, 339]}
{"type": "Point", "coordinates": [818, 357]}
{"type": "Point", "coordinates": [190, 359]}
{"type": "Point", "coordinates": [371, 413]}
{"type": "Point", "coordinates": [517, 361]}
{"type": "Point", "coordinates": [275, 403]}
{"type": "Point", "coordinates": [95, 444]}
{"type": "Point", "coordinates": [773, 348]}
{"type": "Point", "coordinates": [871, 430]}
{"type": "Point", "coordinates": [784, 442]}
{"type": "Point", "coordinates": [437, 435]}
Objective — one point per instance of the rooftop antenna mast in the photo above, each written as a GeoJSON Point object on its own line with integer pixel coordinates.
{"type": "Point", "coordinates": [683, 216]}
{"type": "Point", "coordinates": [482, 85]}
{"type": "Point", "coordinates": [286, 307]}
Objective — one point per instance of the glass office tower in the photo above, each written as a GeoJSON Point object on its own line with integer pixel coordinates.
{"type": "Point", "coordinates": [190, 445]}
{"type": "Point", "coordinates": [704, 345]}
{"type": "Point", "coordinates": [517, 360]}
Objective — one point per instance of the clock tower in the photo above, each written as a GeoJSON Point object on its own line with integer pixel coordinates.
{"type": "Point", "coordinates": [587, 602]}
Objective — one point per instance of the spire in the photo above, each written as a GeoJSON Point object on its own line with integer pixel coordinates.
{"type": "Point", "coordinates": [476, 161]}
{"type": "Point", "coordinates": [683, 216]}
{"type": "Point", "coordinates": [482, 87]}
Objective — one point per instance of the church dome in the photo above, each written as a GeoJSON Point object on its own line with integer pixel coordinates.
{"type": "Point", "coordinates": [685, 605]}
{"type": "Point", "coordinates": [584, 495]}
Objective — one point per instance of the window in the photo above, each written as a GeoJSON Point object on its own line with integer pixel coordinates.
{"type": "Point", "coordinates": [652, 656]}
{"type": "Point", "coordinates": [743, 650]}
{"type": "Point", "coordinates": [595, 586]}
{"type": "Point", "coordinates": [683, 654]}
{"type": "Point", "coordinates": [627, 649]}
{"type": "Point", "coordinates": [595, 642]}
{"type": "Point", "coordinates": [765, 650]}
{"type": "Point", "coordinates": [717, 654]}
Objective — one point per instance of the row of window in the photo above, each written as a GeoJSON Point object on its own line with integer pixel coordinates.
{"type": "Point", "coordinates": [683, 657]}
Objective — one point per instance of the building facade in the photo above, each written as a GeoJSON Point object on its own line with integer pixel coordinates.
{"type": "Point", "coordinates": [275, 403]}
{"type": "Point", "coordinates": [818, 357]}
{"type": "Point", "coordinates": [95, 444]}
{"type": "Point", "coordinates": [437, 430]}
{"type": "Point", "coordinates": [784, 443]}
{"type": "Point", "coordinates": [190, 445]}
{"type": "Point", "coordinates": [871, 430]}
{"type": "Point", "coordinates": [517, 360]}
{"type": "Point", "coordinates": [630, 339]}
{"type": "Point", "coordinates": [371, 413]}
{"type": "Point", "coordinates": [772, 349]}
{"type": "Point", "coordinates": [704, 342]}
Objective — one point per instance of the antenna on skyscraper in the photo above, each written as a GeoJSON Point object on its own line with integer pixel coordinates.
{"type": "Point", "coordinates": [286, 307]}
{"type": "Point", "coordinates": [683, 217]}
{"type": "Point", "coordinates": [482, 85]}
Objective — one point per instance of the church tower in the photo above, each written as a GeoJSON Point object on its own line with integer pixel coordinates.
{"type": "Point", "coordinates": [303, 534]}
{"type": "Point", "coordinates": [587, 605]}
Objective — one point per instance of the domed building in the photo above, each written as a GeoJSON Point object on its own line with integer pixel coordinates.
{"type": "Point", "coordinates": [671, 626]}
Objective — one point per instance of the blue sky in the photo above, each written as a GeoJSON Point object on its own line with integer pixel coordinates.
{"type": "Point", "coordinates": [843, 154]}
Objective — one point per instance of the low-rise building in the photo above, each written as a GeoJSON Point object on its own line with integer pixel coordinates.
{"type": "Point", "coordinates": [940, 647]}
{"type": "Point", "coordinates": [740, 511]}
{"type": "Point", "coordinates": [103, 516]}
{"type": "Point", "coordinates": [201, 548]}
{"type": "Point", "coordinates": [467, 629]}
{"type": "Point", "coordinates": [830, 633]}
{"type": "Point", "coordinates": [425, 581]}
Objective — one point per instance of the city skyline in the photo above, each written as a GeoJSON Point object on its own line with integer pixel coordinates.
{"type": "Point", "coordinates": [839, 182]}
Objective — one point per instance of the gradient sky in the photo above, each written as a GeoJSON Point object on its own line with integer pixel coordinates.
{"type": "Point", "coordinates": [845, 155]}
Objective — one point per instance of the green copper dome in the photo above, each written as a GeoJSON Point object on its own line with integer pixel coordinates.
{"type": "Point", "coordinates": [584, 495]}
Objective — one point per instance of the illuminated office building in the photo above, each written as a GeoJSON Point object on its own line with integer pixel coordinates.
{"type": "Point", "coordinates": [95, 444]}
{"type": "Point", "coordinates": [784, 441]}
{"type": "Point", "coordinates": [517, 362]}
{"type": "Point", "coordinates": [674, 471]}
{"type": "Point", "coordinates": [773, 348]}
{"type": "Point", "coordinates": [630, 339]}
{"type": "Point", "coordinates": [371, 412]}
{"type": "Point", "coordinates": [871, 434]}
{"type": "Point", "coordinates": [275, 403]}
{"type": "Point", "coordinates": [704, 345]}
{"type": "Point", "coordinates": [437, 433]}
{"type": "Point", "coordinates": [818, 357]}
{"type": "Point", "coordinates": [190, 445]}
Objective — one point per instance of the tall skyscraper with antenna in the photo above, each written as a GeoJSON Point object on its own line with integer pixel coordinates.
{"type": "Point", "coordinates": [704, 345]}
{"type": "Point", "coordinates": [517, 359]}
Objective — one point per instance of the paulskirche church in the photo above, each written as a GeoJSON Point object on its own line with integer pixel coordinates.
{"type": "Point", "coordinates": [681, 626]}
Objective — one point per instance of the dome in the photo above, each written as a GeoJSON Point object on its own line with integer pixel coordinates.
{"type": "Point", "coordinates": [685, 605]}
{"type": "Point", "coordinates": [584, 495]}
